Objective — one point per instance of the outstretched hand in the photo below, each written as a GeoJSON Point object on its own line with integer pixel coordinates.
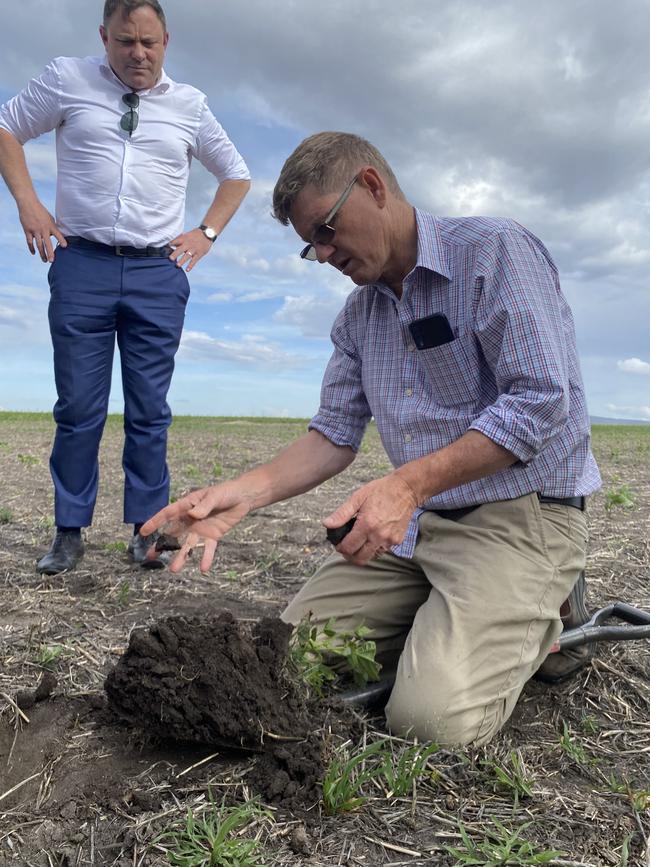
{"type": "Point", "coordinates": [383, 510]}
{"type": "Point", "coordinates": [203, 516]}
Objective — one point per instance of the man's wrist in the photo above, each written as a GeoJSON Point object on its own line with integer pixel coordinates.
{"type": "Point", "coordinates": [210, 233]}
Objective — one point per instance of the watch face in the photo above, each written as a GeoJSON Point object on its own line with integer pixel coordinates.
{"type": "Point", "coordinates": [209, 232]}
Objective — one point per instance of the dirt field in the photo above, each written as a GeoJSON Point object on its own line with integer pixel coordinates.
{"type": "Point", "coordinates": [570, 772]}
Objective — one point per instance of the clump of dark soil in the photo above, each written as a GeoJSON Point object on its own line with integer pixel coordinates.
{"type": "Point", "coordinates": [213, 680]}
{"type": "Point", "coordinates": [222, 681]}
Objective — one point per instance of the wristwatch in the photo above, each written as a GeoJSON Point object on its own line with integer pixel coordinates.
{"type": "Point", "coordinates": [209, 232]}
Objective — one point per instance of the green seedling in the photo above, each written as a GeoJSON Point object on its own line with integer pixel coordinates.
{"type": "Point", "coordinates": [231, 574]}
{"type": "Point", "coordinates": [401, 771]}
{"type": "Point", "coordinates": [500, 847]}
{"type": "Point", "coordinates": [639, 798]}
{"type": "Point", "coordinates": [28, 460]}
{"type": "Point", "coordinates": [619, 497]}
{"type": "Point", "coordinates": [193, 472]}
{"type": "Point", "coordinates": [346, 776]}
{"type": "Point", "coordinates": [124, 593]}
{"type": "Point", "coordinates": [118, 547]}
{"type": "Point", "coordinates": [214, 839]}
{"type": "Point", "coordinates": [217, 470]}
{"type": "Point", "coordinates": [511, 777]}
{"type": "Point", "coordinates": [311, 652]}
{"type": "Point", "coordinates": [48, 656]}
{"type": "Point", "coordinates": [589, 724]}
{"type": "Point", "coordinates": [575, 751]}
{"type": "Point", "coordinates": [46, 522]}
{"type": "Point", "coordinates": [268, 564]}
{"type": "Point", "coordinates": [625, 851]}
{"type": "Point", "coordinates": [6, 515]}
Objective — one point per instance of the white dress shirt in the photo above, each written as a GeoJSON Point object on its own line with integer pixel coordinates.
{"type": "Point", "coordinates": [112, 187]}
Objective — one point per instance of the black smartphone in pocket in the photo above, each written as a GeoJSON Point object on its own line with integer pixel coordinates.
{"type": "Point", "coordinates": [431, 331]}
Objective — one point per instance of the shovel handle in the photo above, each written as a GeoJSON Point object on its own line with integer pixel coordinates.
{"type": "Point", "coordinates": [595, 630]}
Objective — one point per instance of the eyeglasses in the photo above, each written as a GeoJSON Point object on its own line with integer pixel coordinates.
{"type": "Point", "coordinates": [324, 234]}
{"type": "Point", "coordinates": [129, 120]}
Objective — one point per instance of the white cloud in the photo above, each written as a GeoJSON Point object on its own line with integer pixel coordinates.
{"type": "Point", "coordinates": [638, 412]}
{"type": "Point", "coordinates": [634, 365]}
{"type": "Point", "coordinates": [251, 351]}
{"type": "Point", "coordinates": [11, 317]}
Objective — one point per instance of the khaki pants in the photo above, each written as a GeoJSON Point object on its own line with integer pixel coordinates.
{"type": "Point", "coordinates": [471, 617]}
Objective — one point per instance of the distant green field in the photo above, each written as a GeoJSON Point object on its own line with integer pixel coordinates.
{"type": "Point", "coordinates": [606, 431]}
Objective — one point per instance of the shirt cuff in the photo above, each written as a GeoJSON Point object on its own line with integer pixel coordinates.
{"type": "Point", "coordinates": [338, 430]}
{"type": "Point", "coordinates": [517, 435]}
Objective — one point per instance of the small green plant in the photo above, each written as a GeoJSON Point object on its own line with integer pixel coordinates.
{"type": "Point", "coordinates": [48, 656]}
{"type": "Point", "coordinates": [46, 522]}
{"type": "Point", "coordinates": [124, 593]}
{"type": "Point", "coordinates": [345, 776]}
{"type": "Point", "coordinates": [193, 472]}
{"type": "Point", "coordinates": [575, 751]}
{"type": "Point", "coordinates": [231, 574]}
{"type": "Point", "coordinates": [589, 724]}
{"type": "Point", "coordinates": [621, 496]}
{"type": "Point", "coordinates": [500, 847]}
{"type": "Point", "coordinates": [639, 798]}
{"type": "Point", "coordinates": [28, 460]}
{"type": "Point", "coordinates": [625, 850]}
{"type": "Point", "coordinates": [6, 515]}
{"type": "Point", "coordinates": [217, 470]}
{"type": "Point", "coordinates": [118, 547]}
{"type": "Point", "coordinates": [311, 651]}
{"type": "Point", "coordinates": [214, 839]}
{"type": "Point", "coordinates": [401, 771]}
{"type": "Point", "coordinates": [512, 777]}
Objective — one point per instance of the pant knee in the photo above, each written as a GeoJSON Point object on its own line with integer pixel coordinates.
{"type": "Point", "coordinates": [446, 720]}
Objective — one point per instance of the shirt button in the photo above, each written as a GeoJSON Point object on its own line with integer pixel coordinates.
{"type": "Point", "coordinates": [407, 438]}
{"type": "Point", "coordinates": [409, 392]}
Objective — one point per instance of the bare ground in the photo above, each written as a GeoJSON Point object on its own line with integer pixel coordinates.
{"type": "Point", "coordinates": [79, 788]}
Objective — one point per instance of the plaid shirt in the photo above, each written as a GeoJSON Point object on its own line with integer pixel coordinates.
{"type": "Point", "coordinates": [511, 372]}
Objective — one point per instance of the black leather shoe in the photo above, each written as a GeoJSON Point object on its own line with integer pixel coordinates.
{"type": "Point", "coordinates": [66, 551]}
{"type": "Point", "coordinates": [138, 547]}
{"type": "Point", "coordinates": [558, 666]}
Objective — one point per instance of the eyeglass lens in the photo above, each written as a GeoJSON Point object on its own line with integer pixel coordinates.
{"type": "Point", "coordinates": [129, 120]}
{"type": "Point", "coordinates": [324, 233]}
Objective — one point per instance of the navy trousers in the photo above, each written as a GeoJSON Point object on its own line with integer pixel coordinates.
{"type": "Point", "coordinates": [96, 298]}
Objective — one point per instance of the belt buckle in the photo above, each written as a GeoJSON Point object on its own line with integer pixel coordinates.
{"type": "Point", "coordinates": [118, 250]}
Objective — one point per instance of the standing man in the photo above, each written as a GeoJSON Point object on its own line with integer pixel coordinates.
{"type": "Point", "coordinates": [465, 560]}
{"type": "Point", "coordinates": [125, 137]}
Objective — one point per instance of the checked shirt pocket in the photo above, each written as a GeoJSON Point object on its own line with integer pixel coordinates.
{"type": "Point", "coordinates": [452, 371]}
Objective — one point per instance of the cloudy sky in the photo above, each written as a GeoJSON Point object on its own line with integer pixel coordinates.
{"type": "Point", "coordinates": [536, 111]}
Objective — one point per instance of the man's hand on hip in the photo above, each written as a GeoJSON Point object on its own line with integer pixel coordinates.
{"type": "Point", "coordinates": [39, 226]}
{"type": "Point", "coordinates": [383, 509]}
{"type": "Point", "coordinates": [189, 248]}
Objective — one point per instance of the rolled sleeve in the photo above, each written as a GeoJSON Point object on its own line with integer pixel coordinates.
{"type": "Point", "coordinates": [214, 150]}
{"type": "Point", "coordinates": [522, 330]}
{"type": "Point", "coordinates": [344, 413]}
{"type": "Point", "coordinates": [37, 109]}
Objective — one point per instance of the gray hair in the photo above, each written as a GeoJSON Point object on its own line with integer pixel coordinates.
{"type": "Point", "coordinates": [129, 6]}
{"type": "Point", "coordinates": [327, 161]}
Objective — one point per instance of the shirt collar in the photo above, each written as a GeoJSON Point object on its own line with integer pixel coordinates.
{"type": "Point", "coordinates": [431, 251]}
{"type": "Point", "coordinates": [163, 85]}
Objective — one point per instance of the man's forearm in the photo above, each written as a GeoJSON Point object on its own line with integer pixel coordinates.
{"type": "Point", "coordinates": [14, 169]}
{"type": "Point", "coordinates": [304, 464]}
{"type": "Point", "coordinates": [471, 457]}
{"type": "Point", "coordinates": [228, 198]}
